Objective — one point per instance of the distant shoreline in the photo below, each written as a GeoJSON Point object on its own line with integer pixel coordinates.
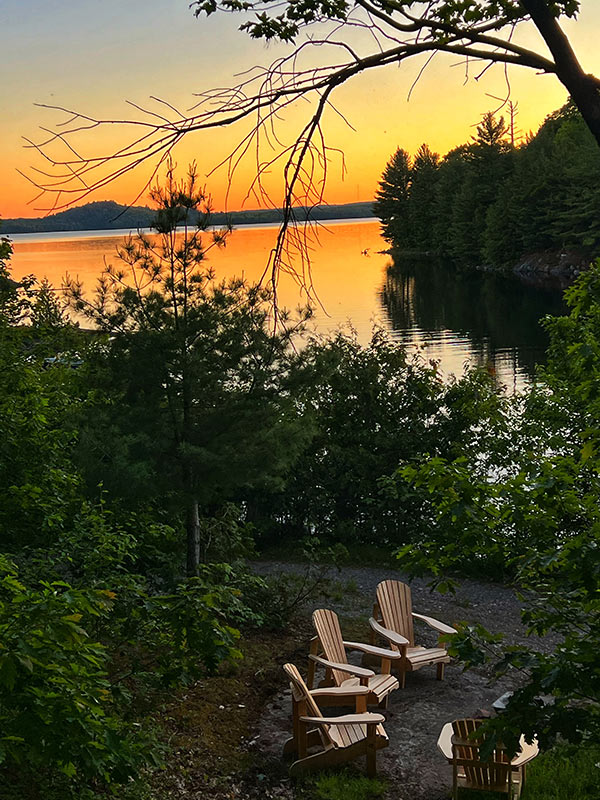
{"type": "Point", "coordinates": [108, 216]}
{"type": "Point", "coordinates": [116, 233]}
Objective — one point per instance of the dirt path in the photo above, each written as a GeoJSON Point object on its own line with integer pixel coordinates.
{"type": "Point", "coordinates": [411, 763]}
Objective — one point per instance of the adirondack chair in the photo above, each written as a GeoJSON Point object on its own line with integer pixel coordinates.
{"type": "Point", "coordinates": [339, 739]}
{"type": "Point", "coordinates": [392, 620]}
{"type": "Point", "coordinates": [328, 650]}
{"type": "Point", "coordinates": [460, 745]}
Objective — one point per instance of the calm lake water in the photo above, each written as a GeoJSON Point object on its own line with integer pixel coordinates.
{"type": "Point", "coordinates": [456, 318]}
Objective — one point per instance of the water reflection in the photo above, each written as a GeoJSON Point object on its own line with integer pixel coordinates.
{"type": "Point", "coordinates": [456, 318]}
{"type": "Point", "coordinates": [473, 317]}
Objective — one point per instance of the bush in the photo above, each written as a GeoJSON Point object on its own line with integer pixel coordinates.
{"type": "Point", "coordinates": [55, 697]}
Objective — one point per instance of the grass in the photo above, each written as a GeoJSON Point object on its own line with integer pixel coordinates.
{"type": "Point", "coordinates": [563, 773]}
{"type": "Point", "coordinates": [345, 785]}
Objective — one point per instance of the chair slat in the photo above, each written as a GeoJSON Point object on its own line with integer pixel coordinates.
{"type": "Point", "coordinates": [395, 603]}
{"type": "Point", "coordinates": [491, 775]}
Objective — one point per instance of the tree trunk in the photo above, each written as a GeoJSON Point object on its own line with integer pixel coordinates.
{"type": "Point", "coordinates": [192, 525]}
{"type": "Point", "coordinates": [584, 89]}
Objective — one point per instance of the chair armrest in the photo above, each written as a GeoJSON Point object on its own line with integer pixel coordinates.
{"type": "Point", "coordinates": [440, 627]}
{"type": "Point", "coordinates": [339, 691]}
{"type": "Point", "coordinates": [372, 650]}
{"type": "Point", "coordinates": [360, 672]}
{"type": "Point", "coordinates": [368, 718]}
{"type": "Point", "coordinates": [385, 633]}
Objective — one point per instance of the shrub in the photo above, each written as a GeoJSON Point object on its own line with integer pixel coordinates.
{"type": "Point", "coordinates": [55, 698]}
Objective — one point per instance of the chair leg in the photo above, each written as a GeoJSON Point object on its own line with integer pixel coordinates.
{"type": "Point", "coordinates": [440, 671]}
{"type": "Point", "coordinates": [402, 678]}
{"type": "Point", "coordinates": [371, 750]}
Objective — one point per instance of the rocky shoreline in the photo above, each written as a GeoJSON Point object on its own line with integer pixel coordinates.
{"type": "Point", "coordinates": [553, 269]}
{"type": "Point", "coordinates": [547, 269]}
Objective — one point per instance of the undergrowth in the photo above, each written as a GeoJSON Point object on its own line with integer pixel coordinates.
{"type": "Point", "coordinates": [564, 773]}
{"type": "Point", "coordinates": [346, 785]}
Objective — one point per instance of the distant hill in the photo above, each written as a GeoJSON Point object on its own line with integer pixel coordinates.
{"type": "Point", "coordinates": [108, 215]}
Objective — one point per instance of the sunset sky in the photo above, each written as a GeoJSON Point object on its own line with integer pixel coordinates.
{"type": "Point", "coordinates": [94, 56]}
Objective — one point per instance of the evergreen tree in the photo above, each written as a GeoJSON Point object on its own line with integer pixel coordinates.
{"type": "Point", "coordinates": [186, 405]}
{"type": "Point", "coordinates": [488, 160]}
{"type": "Point", "coordinates": [391, 203]}
{"type": "Point", "coordinates": [424, 176]}
{"type": "Point", "coordinates": [451, 175]}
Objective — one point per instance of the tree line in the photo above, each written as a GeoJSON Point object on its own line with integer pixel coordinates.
{"type": "Point", "coordinates": [492, 202]}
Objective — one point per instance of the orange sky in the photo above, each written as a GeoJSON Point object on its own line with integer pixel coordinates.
{"type": "Point", "coordinates": [93, 56]}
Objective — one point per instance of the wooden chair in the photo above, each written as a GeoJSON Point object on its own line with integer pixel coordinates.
{"type": "Point", "coordinates": [339, 739]}
{"type": "Point", "coordinates": [393, 620]}
{"type": "Point", "coordinates": [328, 649]}
{"type": "Point", "coordinates": [497, 774]}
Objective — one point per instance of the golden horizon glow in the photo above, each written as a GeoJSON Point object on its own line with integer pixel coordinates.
{"type": "Point", "coordinates": [89, 59]}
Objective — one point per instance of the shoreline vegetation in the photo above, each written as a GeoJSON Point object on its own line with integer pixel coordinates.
{"type": "Point", "coordinates": [108, 215]}
{"type": "Point", "coordinates": [500, 202]}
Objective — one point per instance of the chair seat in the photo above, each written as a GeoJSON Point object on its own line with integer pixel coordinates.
{"type": "Point", "coordinates": [488, 787]}
{"type": "Point", "coordinates": [379, 685]}
{"type": "Point", "coordinates": [346, 735]}
{"type": "Point", "coordinates": [422, 656]}
{"type": "Point", "coordinates": [501, 788]}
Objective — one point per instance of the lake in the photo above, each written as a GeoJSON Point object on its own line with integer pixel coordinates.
{"type": "Point", "coordinates": [453, 317]}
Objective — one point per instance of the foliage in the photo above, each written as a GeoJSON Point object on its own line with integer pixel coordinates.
{"type": "Point", "coordinates": [372, 409]}
{"type": "Point", "coordinates": [421, 216]}
{"type": "Point", "coordinates": [443, 15]}
{"type": "Point", "coordinates": [40, 494]}
{"type": "Point", "coordinates": [171, 636]}
{"type": "Point", "coordinates": [561, 694]}
{"type": "Point", "coordinates": [185, 404]}
{"type": "Point", "coordinates": [493, 203]}
{"type": "Point", "coordinates": [56, 710]}
{"type": "Point", "coordinates": [368, 408]}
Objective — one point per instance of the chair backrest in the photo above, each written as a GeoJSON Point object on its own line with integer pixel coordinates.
{"type": "Point", "coordinates": [492, 774]}
{"type": "Point", "coordinates": [328, 630]}
{"type": "Point", "coordinates": [395, 605]}
{"type": "Point", "coordinates": [301, 693]}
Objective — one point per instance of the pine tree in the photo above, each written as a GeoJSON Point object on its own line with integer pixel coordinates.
{"type": "Point", "coordinates": [424, 177]}
{"type": "Point", "coordinates": [189, 407]}
{"type": "Point", "coordinates": [489, 162]}
{"type": "Point", "coordinates": [391, 204]}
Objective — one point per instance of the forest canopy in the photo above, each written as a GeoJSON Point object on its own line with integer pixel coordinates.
{"type": "Point", "coordinates": [492, 202]}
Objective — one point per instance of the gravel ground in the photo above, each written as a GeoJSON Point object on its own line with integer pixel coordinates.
{"type": "Point", "coordinates": [412, 764]}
